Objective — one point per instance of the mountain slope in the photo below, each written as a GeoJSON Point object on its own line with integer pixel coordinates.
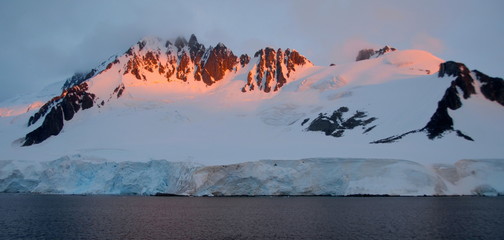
{"type": "Point", "coordinates": [185, 102]}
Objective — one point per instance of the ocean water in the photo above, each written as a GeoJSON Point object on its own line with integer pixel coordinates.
{"type": "Point", "coordinates": [29, 216]}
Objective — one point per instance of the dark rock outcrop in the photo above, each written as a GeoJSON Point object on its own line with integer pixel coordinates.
{"type": "Point", "coordinates": [119, 90]}
{"type": "Point", "coordinates": [336, 125]}
{"type": "Point", "coordinates": [441, 120]}
{"type": "Point", "coordinates": [197, 51]}
{"type": "Point", "coordinates": [365, 54]}
{"type": "Point", "coordinates": [58, 110]}
{"type": "Point", "coordinates": [464, 80]}
{"type": "Point", "coordinates": [492, 88]}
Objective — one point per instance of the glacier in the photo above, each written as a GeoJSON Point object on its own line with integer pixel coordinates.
{"type": "Point", "coordinates": [78, 174]}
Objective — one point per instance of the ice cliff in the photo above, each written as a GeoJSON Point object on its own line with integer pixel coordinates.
{"type": "Point", "coordinates": [317, 176]}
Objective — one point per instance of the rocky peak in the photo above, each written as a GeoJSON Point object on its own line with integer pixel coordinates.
{"type": "Point", "coordinates": [368, 53]}
{"type": "Point", "coordinates": [273, 68]}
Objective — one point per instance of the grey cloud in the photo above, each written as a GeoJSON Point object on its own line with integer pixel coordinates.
{"type": "Point", "coordinates": [46, 41]}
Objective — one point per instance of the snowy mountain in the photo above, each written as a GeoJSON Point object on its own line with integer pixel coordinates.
{"type": "Point", "coordinates": [190, 104]}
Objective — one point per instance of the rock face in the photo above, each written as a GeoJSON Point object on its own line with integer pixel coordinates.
{"type": "Point", "coordinates": [58, 110]}
{"type": "Point", "coordinates": [273, 68]}
{"type": "Point", "coordinates": [336, 124]}
{"type": "Point", "coordinates": [220, 60]}
{"type": "Point", "coordinates": [368, 53]}
{"type": "Point", "coordinates": [492, 88]}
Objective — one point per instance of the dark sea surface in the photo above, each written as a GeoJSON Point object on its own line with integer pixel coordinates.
{"type": "Point", "coordinates": [28, 216]}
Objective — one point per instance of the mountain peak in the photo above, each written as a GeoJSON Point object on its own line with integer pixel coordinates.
{"type": "Point", "coordinates": [193, 40]}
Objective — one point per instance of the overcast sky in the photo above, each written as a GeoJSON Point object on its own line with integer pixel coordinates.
{"type": "Point", "coordinates": [43, 42]}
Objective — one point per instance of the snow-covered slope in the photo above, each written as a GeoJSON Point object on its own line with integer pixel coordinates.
{"type": "Point", "coordinates": [183, 102]}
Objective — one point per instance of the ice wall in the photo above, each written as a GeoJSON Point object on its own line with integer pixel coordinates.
{"type": "Point", "coordinates": [317, 176]}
